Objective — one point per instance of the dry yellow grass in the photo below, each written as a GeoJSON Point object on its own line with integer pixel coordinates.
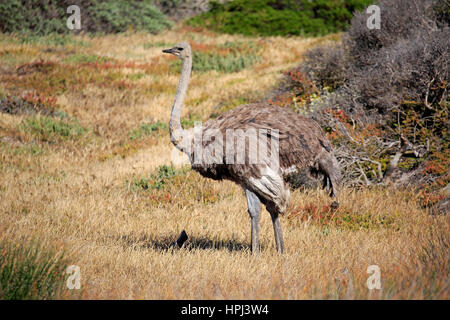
{"type": "Point", "coordinates": [75, 195]}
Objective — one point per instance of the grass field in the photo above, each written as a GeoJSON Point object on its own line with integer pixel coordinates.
{"type": "Point", "coordinates": [89, 174]}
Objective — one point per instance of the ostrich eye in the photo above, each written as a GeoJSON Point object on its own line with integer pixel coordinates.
{"type": "Point", "coordinates": [180, 49]}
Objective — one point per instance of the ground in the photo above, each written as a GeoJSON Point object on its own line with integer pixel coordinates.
{"type": "Point", "coordinates": [97, 182]}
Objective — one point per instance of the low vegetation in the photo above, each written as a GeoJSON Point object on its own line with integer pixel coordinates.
{"type": "Point", "coordinates": [42, 17]}
{"type": "Point", "coordinates": [223, 63]}
{"type": "Point", "coordinates": [147, 129]}
{"type": "Point", "coordinates": [50, 129]}
{"type": "Point", "coordinates": [279, 17]}
{"type": "Point", "coordinates": [157, 180]}
{"type": "Point", "coordinates": [29, 270]}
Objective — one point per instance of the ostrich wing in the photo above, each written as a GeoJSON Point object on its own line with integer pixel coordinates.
{"type": "Point", "coordinates": [301, 140]}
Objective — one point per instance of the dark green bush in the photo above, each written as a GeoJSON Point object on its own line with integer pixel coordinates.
{"type": "Point", "coordinates": [279, 17]}
{"type": "Point", "coordinates": [118, 16]}
{"type": "Point", "coordinates": [41, 17]}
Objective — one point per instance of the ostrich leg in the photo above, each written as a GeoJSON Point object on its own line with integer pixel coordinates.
{"type": "Point", "coordinates": [332, 177]}
{"type": "Point", "coordinates": [274, 213]}
{"type": "Point", "coordinates": [254, 209]}
{"type": "Point", "coordinates": [278, 233]}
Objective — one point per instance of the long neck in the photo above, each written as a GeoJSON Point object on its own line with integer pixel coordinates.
{"type": "Point", "coordinates": [176, 131]}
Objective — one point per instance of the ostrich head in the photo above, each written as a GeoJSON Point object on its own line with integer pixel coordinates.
{"type": "Point", "coordinates": [182, 50]}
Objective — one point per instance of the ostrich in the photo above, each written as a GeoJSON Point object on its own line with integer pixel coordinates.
{"type": "Point", "coordinates": [300, 143]}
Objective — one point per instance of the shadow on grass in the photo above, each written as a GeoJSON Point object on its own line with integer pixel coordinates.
{"type": "Point", "coordinates": [169, 243]}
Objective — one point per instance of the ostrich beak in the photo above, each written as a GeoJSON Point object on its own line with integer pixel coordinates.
{"type": "Point", "coordinates": [172, 50]}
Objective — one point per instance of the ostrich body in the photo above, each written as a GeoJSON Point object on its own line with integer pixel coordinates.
{"type": "Point", "coordinates": [299, 141]}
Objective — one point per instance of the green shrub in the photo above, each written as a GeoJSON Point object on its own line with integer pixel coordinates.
{"type": "Point", "coordinates": [118, 16]}
{"type": "Point", "coordinates": [279, 17]}
{"type": "Point", "coordinates": [30, 271]}
{"type": "Point", "coordinates": [86, 58]}
{"type": "Point", "coordinates": [156, 180]}
{"type": "Point", "coordinates": [164, 173]}
{"type": "Point", "coordinates": [42, 17]}
{"type": "Point", "coordinates": [39, 16]}
{"type": "Point", "coordinates": [147, 128]}
{"type": "Point", "coordinates": [223, 63]}
{"type": "Point", "coordinates": [135, 76]}
{"type": "Point", "coordinates": [50, 129]}
{"type": "Point", "coordinates": [190, 121]}
{"type": "Point", "coordinates": [227, 58]}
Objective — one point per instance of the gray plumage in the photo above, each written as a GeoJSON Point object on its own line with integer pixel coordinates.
{"type": "Point", "coordinates": [301, 145]}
